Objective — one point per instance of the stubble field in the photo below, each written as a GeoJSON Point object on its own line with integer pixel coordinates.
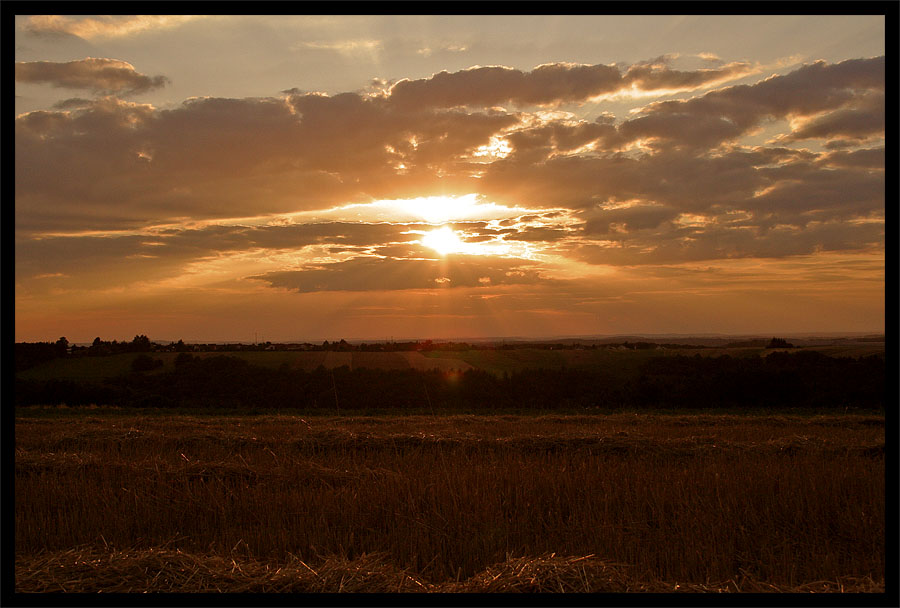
{"type": "Point", "coordinates": [615, 503]}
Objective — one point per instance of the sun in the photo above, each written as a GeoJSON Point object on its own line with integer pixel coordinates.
{"type": "Point", "coordinates": [443, 240]}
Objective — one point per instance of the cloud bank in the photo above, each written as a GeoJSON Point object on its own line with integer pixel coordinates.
{"type": "Point", "coordinates": [787, 165]}
{"type": "Point", "coordinates": [102, 76]}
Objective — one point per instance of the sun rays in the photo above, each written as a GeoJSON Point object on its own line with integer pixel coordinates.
{"type": "Point", "coordinates": [444, 240]}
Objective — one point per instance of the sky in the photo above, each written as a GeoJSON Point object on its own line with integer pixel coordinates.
{"type": "Point", "coordinates": [302, 178]}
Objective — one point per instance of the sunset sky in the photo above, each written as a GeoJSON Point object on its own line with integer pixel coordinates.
{"type": "Point", "coordinates": [227, 178]}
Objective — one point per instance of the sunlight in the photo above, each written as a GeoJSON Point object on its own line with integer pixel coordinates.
{"type": "Point", "coordinates": [438, 209]}
{"type": "Point", "coordinates": [443, 240]}
{"type": "Point", "coordinates": [441, 208]}
{"type": "Point", "coordinates": [432, 209]}
{"type": "Point", "coordinates": [497, 149]}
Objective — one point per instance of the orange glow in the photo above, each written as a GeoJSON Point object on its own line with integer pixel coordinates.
{"type": "Point", "coordinates": [443, 240]}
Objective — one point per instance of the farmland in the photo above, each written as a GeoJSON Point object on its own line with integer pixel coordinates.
{"type": "Point", "coordinates": [611, 503]}
{"type": "Point", "coordinates": [512, 469]}
{"type": "Point", "coordinates": [494, 360]}
{"type": "Point", "coordinates": [99, 368]}
{"type": "Point", "coordinates": [463, 381]}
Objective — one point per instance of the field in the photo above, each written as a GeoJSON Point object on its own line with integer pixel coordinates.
{"type": "Point", "coordinates": [99, 368]}
{"type": "Point", "coordinates": [616, 503]}
{"type": "Point", "coordinates": [496, 361]}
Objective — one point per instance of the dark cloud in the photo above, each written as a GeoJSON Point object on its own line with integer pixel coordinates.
{"type": "Point", "coordinates": [93, 262]}
{"type": "Point", "coordinates": [866, 158]}
{"type": "Point", "coordinates": [669, 177]}
{"type": "Point", "coordinates": [377, 274]}
{"type": "Point", "coordinates": [103, 76]}
{"type": "Point", "coordinates": [121, 260]}
{"type": "Point", "coordinates": [71, 103]}
{"type": "Point", "coordinates": [723, 115]}
{"type": "Point", "coordinates": [715, 242]}
{"type": "Point", "coordinates": [548, 84]}
{"type": "Point", "coordinates": [864, 119]}
{"type": "Point", "coordinates": [538, 143]}
{"type": "Point", "coordinates": [628, 219]}
{"type": "Point", "coordinates": [824, 194]}
{"type": "Point", "coordinates": [345, 233]}
{"type": "Point", "coordinates": [540, 234]}
{"type": "Point", "coordinates": [497, 85]}
{"type": "Point", "coordinates": [657, 75]}
{"type": "Point", "coordinates": [407, 251]}
{"type": "Point", "coordinates": [684, 129]}
{"type": "Point", "coordinates": [226, 157]}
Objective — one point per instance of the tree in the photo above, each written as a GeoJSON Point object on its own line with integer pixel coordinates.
{"type": "Point", "coordinates": [62, 347]}
{"type": "Point", "coordinates": [144, 362]}
{"type": "Point", "coordinates": [779, 343]}
{"type": "Point", "coordinates": [98, 347]}
{"type": "Point", "coordinates": [140, 344]}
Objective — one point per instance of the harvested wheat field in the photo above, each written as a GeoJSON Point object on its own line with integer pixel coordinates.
{"type": "Point", "coordinates": [619, 503]}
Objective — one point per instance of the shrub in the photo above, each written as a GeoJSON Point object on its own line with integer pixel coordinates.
{"type": "Point", "coordinates": [144, 363]}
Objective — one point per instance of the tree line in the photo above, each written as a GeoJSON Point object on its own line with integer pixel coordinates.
{"type": "Point", "coordinates": [32, 354]}
{"type": "Point", "coordinates": [780, 380]}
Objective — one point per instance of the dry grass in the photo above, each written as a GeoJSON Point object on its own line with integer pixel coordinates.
{"type": "Point", "coordinates": [617, 503]}
{"type": "Point", "coordinates": [164, 570]}
{"type": "Point", "coordinates": [86, 570]}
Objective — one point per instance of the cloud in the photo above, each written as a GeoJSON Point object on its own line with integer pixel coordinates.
{"type": "Point", "coordinates": [103, 76]}
{"type": "Point", "coordinates": [839, 193]}
{"type": "Point", "coordinates": [497, 85]}
{"type": "Point", "coordinates": [103, 27]}
{"type": "Point", "coordinates": [725, 114]}
{"type": "Point", "coordinates": [378, 274]}
{"type": "Point", "coordinates": [91, 261]}
{"type": "Point", "coordinates": [353, 48]}
{"type": "Point", "coordinates": [866, 158]}
{"type": "Point", "coordinates": [540, 234]}
{"type": "Point", "coordinates": [427, 51]}
{"type": "Point", "coordinates": [72, 103]}
{"type": "Point", "coordinates": [548, 84]}
{"type": "Point", "coordinates": [534, 144]}
{"type": "Point", "coordinates": [657, 75]}
{"type": "Point", "coordinates": [865, 118]}
{"type": "Point", "coordinates": [684, 207]}
{"type": "Point", "coordinates": [675, 245]}
{"type": "Point", "coordinates": [628, 219]}
{"type": "Point", "coordinates": [131, 164]}
{"type": "Point", "coordinates": [671, 179]}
